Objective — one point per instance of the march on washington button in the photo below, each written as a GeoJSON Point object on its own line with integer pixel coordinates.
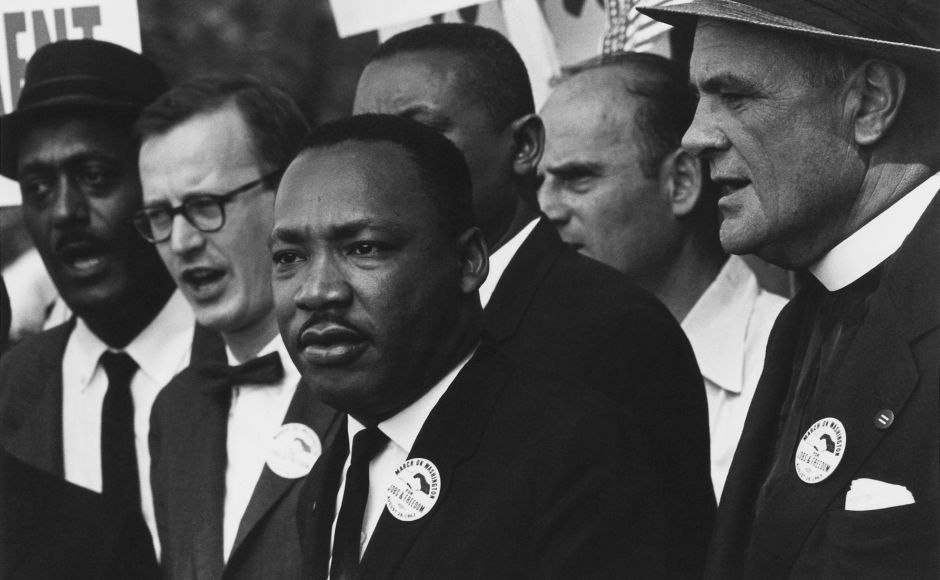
{"type": "Point", "coordinates": [820, 450]}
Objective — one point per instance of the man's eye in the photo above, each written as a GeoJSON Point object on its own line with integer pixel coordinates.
{"type": "Point", "coordinates": [35, 190]}
{"type": "Point", "coordinates": [285, 258]}
{"type": "Point", "coordinates": [96, 176]}
{"type": "Point", "coordinates": [365, 249]}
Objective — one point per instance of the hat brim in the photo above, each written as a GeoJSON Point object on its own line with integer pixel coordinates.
{"type": "Point", "coordinates": [12, 124]}
{"type": "Point", "coordinates": [687, 15]}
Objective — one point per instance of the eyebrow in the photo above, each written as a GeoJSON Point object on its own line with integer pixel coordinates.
{"type": "Point", "coordinates": [43, 165]}
{"type": "Point", "coordinates": [429, 117]}
{"type": "Point", "coordinates": [574, 167]}
{"type": "Point", "coordinates": [295, 235]}
{"type": "Point", "coordinates": [717, 82]}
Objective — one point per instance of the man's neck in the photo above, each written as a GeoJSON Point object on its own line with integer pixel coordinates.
{"type": "Point", "coordinates": [245, 343]}
{"type": "Point", "coordinates": [520, 219]}
{"type": "Point", "coordinates": [118, 324]}
{"type": "Point", "coordinates": [684, 282]}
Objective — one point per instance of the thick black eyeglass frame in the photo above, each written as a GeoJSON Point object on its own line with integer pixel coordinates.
{"type": "Point", "coordinates": [142, 222]}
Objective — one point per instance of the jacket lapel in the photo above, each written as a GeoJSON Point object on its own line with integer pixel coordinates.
{"type": "Point", "coordinates": [450, 435]}
{"type": "Point", "coordinates": [521, 279]}
{"type": "Point", "coordinates": [304, 408]}
{"type": "Point", "coordinates": [207, 463]}
{"type": "Point", "coordinates": [902, 309]}
{"type": "Point", "coordinates": [37, 439]}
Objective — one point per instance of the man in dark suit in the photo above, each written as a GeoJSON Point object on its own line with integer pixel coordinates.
{"type": "Point", "coordinates": [75, 401]}
{"type": "Point", "coordinates": [819, 119]}
{"type": "Point", "coordinates": [229, 445]}
{"type": "Point", "coordinates": [462, 464]}
{"type": "Point", "coordinates": [544, 304]}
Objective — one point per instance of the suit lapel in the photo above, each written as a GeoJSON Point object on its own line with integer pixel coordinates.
{"type": "Point", "coordinates": [902, 309]}
{"type": "Point", "coordinates": [521, 279]}
{"type": "Point", "coordinates": [207, 463]}
{"type": "Point", "coordinates": [450, 435]}
{"type": "Point", "coordinates": [304, 408]}
{"type": "Point", "coordinates": [38, 437]}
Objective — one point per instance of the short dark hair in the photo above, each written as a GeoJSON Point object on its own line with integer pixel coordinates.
{"type": "Point", "coordinates": [666, 106]}
{"type": "Point", "coordinates": [277, 125]}
{"type": "Point", "coordinates": [494, 71]}
{"type": "Point", "coordinates": [440, 165]}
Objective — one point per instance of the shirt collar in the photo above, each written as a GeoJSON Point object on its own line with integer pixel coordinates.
{"type": "Point", "coordinates": [499, 261]}
{"type": "Point", "coordinates": [717, 324]}
{"type": "Point", "coordinates": [403, 427]}
{"type": "Point", "coordinates": [874, 242]}
{"type": "Point", "coordinates": [159, 350]}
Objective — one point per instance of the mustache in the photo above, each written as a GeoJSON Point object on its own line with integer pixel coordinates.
{"type": "Point", "coordinates": [332, 318]}
{"type": "Point", "coordinates": [79, 238]}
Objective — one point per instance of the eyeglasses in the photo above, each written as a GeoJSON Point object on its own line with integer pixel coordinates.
{"type": "Point", "coordinates": [205, 211]}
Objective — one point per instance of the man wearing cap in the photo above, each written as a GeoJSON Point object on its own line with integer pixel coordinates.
{"type": "Point", "coordinates": [546, 305]}
{"type": "Point", "coordinates": [229, 445]}
{"type": "Point", "coordinates": [75, 400]}
{"type": "Point", "coordinates": [820, 122]}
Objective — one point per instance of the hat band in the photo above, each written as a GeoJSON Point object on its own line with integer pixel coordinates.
{"type": "Point", "coordinates": [75, 86]}
{"type": "Point", "coordinates": [881, 21]}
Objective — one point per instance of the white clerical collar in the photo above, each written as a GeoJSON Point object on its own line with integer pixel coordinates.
{"type": "Point", "coordinates": [874, 242]}
{"type": "Point", "coordinates": [499, 261]}
{"type": "Point", "coordinates": [155, 349]}
{"type": "Point", "coordinates": [404, 426]}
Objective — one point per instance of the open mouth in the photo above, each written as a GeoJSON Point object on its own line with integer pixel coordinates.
{"type": "Point", "coordinates": [202, 283]}
{"type": "Point", "coordinates": [83, 257]}
{"type": "Point", "coordinates": [331, 344]}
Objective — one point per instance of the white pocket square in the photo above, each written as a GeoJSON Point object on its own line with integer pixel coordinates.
{"type": "Point", "coordinates": [871, 494]}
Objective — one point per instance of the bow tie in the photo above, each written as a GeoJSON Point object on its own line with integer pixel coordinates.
{"type": "Point", "coordinates": [264, 370]}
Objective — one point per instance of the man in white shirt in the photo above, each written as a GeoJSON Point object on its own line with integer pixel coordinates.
{"type": "Point", "coordinates": [230, 444]}
{"type": "Point", "coordinates": [619, 188]}
{"type": "Point", "coordinates": [76, 399]}
{"type": "Point", "coordinates": [470, 84]}
{"type": "Point", "coordinates": [819, 121]}
{"type": "Point", "coordinates": [454, 462]}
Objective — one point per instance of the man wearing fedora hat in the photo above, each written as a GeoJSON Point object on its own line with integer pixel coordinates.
{"type": "Point", "coordinates": [75, 400]}
{"type": "Point", "coordinates": [819, 119]}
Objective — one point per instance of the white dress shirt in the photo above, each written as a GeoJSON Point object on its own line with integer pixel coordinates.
{"type": "Point", "coordinates": [161, 350]}
{"type": "Point", "coordinates": [401, 429]}
{"type": "Point", "coordinates": [499, 261]}
{"type": "Point", "coordinates": [728, 327]}
{"type": "Point", "coordinates": [254, 418]}
{"type": "Point", "coordinates": [874, 242]}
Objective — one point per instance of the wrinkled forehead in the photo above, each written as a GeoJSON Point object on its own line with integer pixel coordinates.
{"type": "Point", "coordinates": [56, 139]}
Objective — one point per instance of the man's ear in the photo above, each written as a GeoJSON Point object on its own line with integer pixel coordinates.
{"type": "Point", "coordinates": [875, 91]}
{"type": "Point", "coordinates": [474, 260]}
{"type": "Point", "coordinates": [528, 143]}
{"type": "Point", "coordinates": [680, 181]}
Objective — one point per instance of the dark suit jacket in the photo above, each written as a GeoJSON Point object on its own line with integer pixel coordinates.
{"type": "Point", "coordinates": [52, 529]}
{"type": "Point", "coordinates": [568, 315]}
{"type": "Point", "coordinates": [538, 480]}
{"type": "Point", "coordinates": [31, 409]}
{"type": "Point", "coordinates": [188, 431]}
{"type": "Point", "coordinates": [802, 530]}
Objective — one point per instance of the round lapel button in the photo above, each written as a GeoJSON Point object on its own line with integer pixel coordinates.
{"type": "Point", "coordinates": [884, 419]}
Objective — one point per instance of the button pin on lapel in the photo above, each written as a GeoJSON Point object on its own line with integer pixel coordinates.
{"type": "Point", "coordinates": [820, 451]}
{"type": "Point", "coordinates": [414, 491]}
{"type": "Point", "coordinates": [884, 419]}
{"type": "Point", "coordinates": [293, 451]}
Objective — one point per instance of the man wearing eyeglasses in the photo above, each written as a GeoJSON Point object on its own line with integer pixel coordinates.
{"type": "Point", "coordinates": [75, 400]}
{"type": "Point", "coordinates": [229, 445]}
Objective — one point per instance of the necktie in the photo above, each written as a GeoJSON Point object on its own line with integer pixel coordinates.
{"type": "Point", "coordinates": [120, 481]}
{"type": "Point", "coordinates": [346, 544]}
{"type": "Point", "coordinates": [264, 370]}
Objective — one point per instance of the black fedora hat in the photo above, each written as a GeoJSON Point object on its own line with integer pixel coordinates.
{"type": "Point", "coordinates": [79, 75]}
{"type": "Point", "coordinates": [906, 30]}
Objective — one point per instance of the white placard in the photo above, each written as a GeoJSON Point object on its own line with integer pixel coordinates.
{"type": "Point", "coordinates": [357, 16]}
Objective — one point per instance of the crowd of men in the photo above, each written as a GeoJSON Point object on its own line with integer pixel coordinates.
{"type": "Point", "coordinates": [454, 337]}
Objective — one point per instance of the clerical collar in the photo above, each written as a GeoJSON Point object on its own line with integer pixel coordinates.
{"type": "Point", "coordinates": [871, 244]}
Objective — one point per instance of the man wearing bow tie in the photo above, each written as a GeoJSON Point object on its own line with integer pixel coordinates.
{"type": "Point", "coordinates": [226, 462]}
